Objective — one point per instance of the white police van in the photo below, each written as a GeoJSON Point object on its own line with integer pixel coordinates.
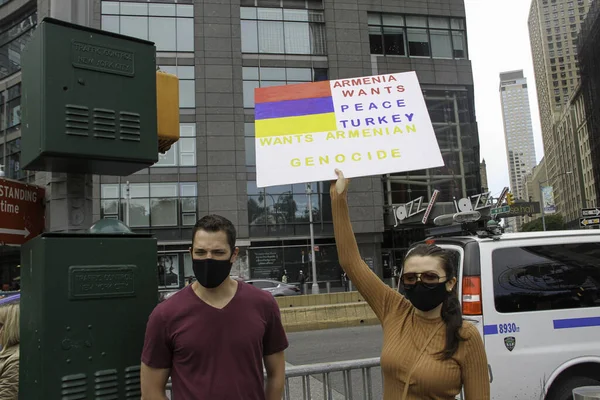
{"type": "Point", "coordinates": [535, 298]}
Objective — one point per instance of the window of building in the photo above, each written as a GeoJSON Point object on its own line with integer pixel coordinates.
{"type": "Point", "coordinates": [539, 278]}
{"type": "Point", "coordinates": [283, 31]}
{"type": "Point", "coordinates": [250, 144]}
{"type": "Point", "coordinates": [183, 152]}
{"type": "Point", "coordinates": [283, 210]}
{"type": "Point", "coordinates": [187, 83]}
{"type": "Point", "coordinates": [12, 43]}
{"type": "Point", "coordinates": [12, 166]}
{"type": "Point", "coordinates": [151, 204]}
{"type": "Point", "coordinates": [169, 26]}
{"type": "Point", "coordinates": [417, 36]}
{"type": "Point", "coordinates": [310, 4]}
{"type": "Point", "coordinates": [254, 77]}
{"type": "Point", "coordinates": [12, 99]}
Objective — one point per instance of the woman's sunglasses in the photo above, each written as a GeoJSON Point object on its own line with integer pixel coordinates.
{"type": "Point", "coordinates": [428, 278]}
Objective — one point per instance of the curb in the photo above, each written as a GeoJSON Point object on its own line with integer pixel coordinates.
{"type": "Point", "coordinates": [319, 299]}
{"type": "Point", "coordinates": [300, 319]}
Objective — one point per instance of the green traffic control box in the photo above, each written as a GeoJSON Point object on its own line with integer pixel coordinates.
{"type": "Point", "coordinates": [88, 101]}
{"type": "Point", "coordinates": [85, 302]}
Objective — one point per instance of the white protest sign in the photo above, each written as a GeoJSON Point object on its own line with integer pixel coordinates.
{"type": "Point", "coordinates": [363, 126]}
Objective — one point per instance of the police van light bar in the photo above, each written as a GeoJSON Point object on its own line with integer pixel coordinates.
{"type": "Point", "coordinates": [443, 220]}
{"type": "Point", "coordinates": [467, 216]}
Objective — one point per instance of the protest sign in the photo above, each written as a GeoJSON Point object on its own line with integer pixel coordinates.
{"type": "Point", "coordinates": [364, 126]}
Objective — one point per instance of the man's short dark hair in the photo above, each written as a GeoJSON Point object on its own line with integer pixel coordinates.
{"type": "Point", "coordinates": [216, 223]}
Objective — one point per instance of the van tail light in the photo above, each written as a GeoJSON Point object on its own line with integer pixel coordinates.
{"type": "Point", "coordinates": [471, 296]}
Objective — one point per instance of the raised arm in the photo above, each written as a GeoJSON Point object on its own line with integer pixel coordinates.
{"type": "Point", "coordinates": [379, 295]}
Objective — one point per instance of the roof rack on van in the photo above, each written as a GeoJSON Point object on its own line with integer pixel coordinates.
{"type": "Point", "coordinates": [465, 224]}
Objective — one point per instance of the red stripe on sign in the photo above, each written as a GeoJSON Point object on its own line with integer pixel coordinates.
{"type": "Point", "coordinates": [311, 90]}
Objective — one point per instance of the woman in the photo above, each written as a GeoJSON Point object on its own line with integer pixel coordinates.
{"type": "Point", "coordinates": [428, 351]}
{"type": "Point", "coordinates": [9, 348]}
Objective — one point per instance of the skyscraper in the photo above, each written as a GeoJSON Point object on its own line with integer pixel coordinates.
{"type": "Point", "coordinates": [518, 131]}
{"type": "Point", "coordinates": [554, 27]}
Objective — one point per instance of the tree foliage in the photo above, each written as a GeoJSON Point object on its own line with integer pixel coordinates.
{"type": "Point", "coordinates": [554, 222]}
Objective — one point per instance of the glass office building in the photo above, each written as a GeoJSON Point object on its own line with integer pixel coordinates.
{"type": "Point", "coordinates": [221, 52]}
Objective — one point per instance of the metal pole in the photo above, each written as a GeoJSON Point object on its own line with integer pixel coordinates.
{"type": "Point", "coordinates": [127, 202]}
{"type": "Point", "coordinates": [5, 128]}
{"type": "Point", "coordinates": [315, 285]}
{"type": "Point", "coordinates": [461, 162]}
{"type": "Point", "coordinates": [542, 207]}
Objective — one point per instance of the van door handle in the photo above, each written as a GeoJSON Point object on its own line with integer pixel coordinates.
{"type": "Point", "coordinates": [491, 375]}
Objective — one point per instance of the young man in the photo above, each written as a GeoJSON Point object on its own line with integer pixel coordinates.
{"type": "Point", "coordinates": [213, 336]}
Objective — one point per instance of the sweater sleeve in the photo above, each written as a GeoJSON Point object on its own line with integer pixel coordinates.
{"type": "Point", "coordinates": [475, 373]}
{"type": "Point", "coordinates": [380, 297]}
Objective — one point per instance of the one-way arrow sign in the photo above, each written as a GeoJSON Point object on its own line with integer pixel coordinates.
{"type": "Point", "coordinates": [590, 212]}
{"type": "Point", "coordinates": [21, 211]}
{"type": "Point", "coordinates": [17, 232]}
{"type": "Point", "coordinates": [589, 221]}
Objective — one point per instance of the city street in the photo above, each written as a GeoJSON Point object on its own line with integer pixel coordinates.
{"type": "Point", "coordinates": [338, 345]}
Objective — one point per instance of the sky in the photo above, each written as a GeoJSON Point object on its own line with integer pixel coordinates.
{"type": "Point", "coordinates": [498, 40]}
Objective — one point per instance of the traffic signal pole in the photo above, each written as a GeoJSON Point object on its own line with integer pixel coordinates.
{"type": "Point", "coordinates": [69, 196]}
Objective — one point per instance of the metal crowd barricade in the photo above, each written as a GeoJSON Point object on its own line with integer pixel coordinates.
{"type": "Point", "coordinates": [324, 371]}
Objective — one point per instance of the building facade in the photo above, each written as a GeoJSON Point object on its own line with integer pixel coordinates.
{"type": "Point", "coordinates": [587, 112]}
{"type": "Point", "coordinates": [518, 133]}
{"type": "Point", "coordinates": [483, 173]}
{"type": "Point", "coordinates": [569, 193]}
{"type": "Point", "coordinates": [554, 27]}
{"type": "Point", "coordinates": [221, 51]}
{"type": "Point", "coordinates": [518, 130]}
{"type": "Point", "coordinates": [536, 178]}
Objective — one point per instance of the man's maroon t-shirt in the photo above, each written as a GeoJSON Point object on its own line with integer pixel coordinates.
{"type": "Point", "coordinates": [215, 354]}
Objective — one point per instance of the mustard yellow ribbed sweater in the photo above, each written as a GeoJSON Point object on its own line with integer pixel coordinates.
{"type": "Point", "coordinates": [405, 332]}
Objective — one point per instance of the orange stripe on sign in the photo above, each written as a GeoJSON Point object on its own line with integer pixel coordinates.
{"type": "Point", "coordinates": [298, 91]}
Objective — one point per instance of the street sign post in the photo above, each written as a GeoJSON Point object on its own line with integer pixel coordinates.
{"type": "Point", "coordinates": [500, 210]}
{"type": "Point", "coordinates": [21, 211]}
{"type": "Point", "coordinates": [590, 212]}
{"type": "Point", "coordinates": [585, 222]}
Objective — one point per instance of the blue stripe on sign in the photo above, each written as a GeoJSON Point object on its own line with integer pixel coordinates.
{"type": "Point", "coordinates": [576, 322]}
{"type": "Point", "coordinates": [490, 329]}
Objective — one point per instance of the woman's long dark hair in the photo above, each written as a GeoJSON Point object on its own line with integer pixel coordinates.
{"type": "Point", "coordinates": [451, 310]}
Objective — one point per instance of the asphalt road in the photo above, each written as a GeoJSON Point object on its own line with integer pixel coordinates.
{"type": "Point", "coordinates": [339, 345]}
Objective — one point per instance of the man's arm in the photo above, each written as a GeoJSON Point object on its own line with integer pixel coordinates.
{"type": "Point", "coordinates": [275, 366]}
{"type": "Point", "coordinates": [154, 382]}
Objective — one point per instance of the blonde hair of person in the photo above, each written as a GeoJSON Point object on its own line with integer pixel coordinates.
{"type": "Point", "coordinates": [9, 323]}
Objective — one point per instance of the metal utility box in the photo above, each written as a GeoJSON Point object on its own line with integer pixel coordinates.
{"type": "Point", "coordinates": [88, 101]}
{"type": "Point", "coordinates": [85, 302]}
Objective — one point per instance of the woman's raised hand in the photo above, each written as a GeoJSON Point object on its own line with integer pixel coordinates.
{"type": "Point", "coordinates": [342, 183]}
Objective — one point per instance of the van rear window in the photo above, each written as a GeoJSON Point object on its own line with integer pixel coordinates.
{"type": "Point", "coordinates": [553, 277]}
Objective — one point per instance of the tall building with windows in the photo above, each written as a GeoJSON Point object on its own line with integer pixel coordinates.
{"type": "Point", "coordinates": [483, 173]}
{"type": "Point", "coordinates": [221, 51]}
{"type": "Point", "coordinates": [554, 27]}
{"type": "Point", "coordinates": [518, 130]}
{"type": "Point", "coordinates": [586, 112]}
